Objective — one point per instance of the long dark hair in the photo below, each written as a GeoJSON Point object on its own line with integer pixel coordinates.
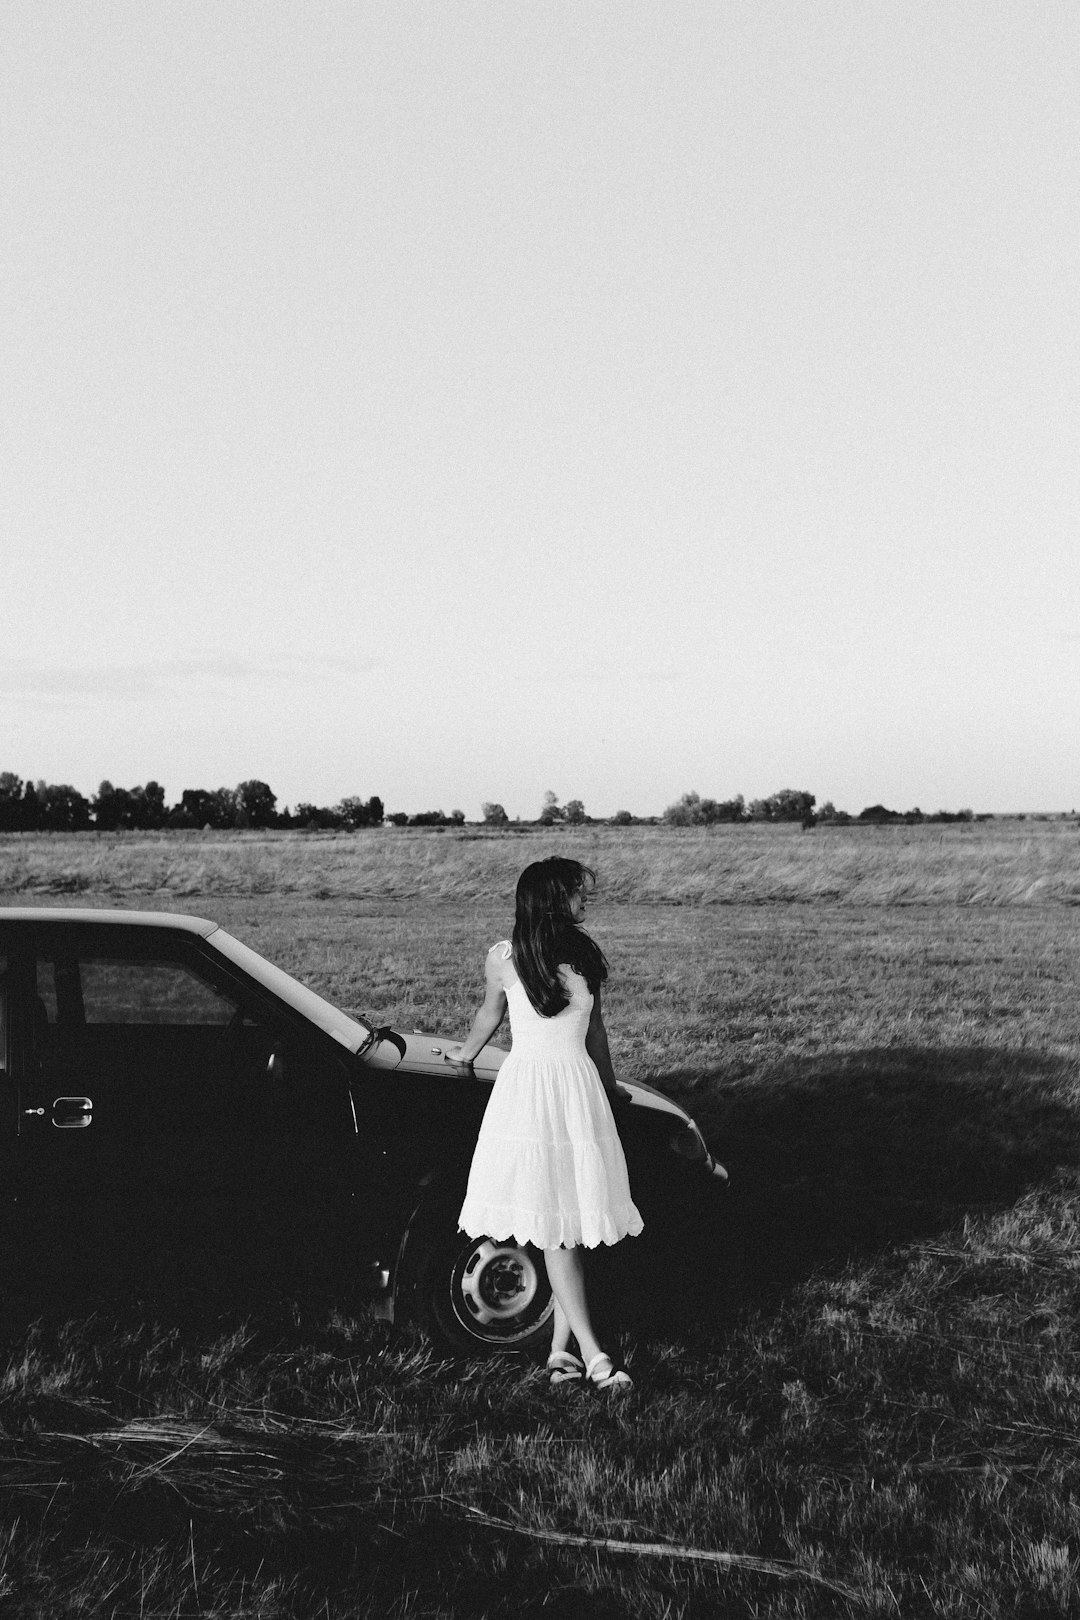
{"type": "Point", "coordinates": [545, 934]}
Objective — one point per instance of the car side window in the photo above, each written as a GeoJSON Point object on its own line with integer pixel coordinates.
{"type": "Point", "coordinates": [46, 993]}
{"type": "Point", "coordinates": [131, 1020]}
{"type": "Point", "coordinates": [120, 991]}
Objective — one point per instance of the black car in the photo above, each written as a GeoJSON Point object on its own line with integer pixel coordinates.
{"type": "Point", "coordinates": [172, 1105]}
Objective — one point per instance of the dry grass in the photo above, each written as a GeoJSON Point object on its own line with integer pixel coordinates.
{"type": "Point", "coordinates": [865, 1373]}
{"type": "Point", "coordinates": [987, 863]}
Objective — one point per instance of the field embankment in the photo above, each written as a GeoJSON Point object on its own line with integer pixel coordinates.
{"type": "Point", "coordinates": [988, 863]}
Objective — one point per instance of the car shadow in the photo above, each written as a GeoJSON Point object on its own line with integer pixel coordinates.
{"type": "Point", "coordinates": [830, 1158]}
{"type": "Point", "coordinates": [836, 1157]}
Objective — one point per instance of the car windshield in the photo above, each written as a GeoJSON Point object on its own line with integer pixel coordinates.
{"type": "Point", "coordinates": [351, 1032]}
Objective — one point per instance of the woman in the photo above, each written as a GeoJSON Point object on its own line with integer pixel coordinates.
{"type": "Point", "coordinates": [549, 1168]}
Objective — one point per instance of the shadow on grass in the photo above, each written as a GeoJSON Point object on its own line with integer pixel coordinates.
{"type": "Point", "coordinates": [830, 1158]}
{"type": "Point", "coordinates": [835, 1158]}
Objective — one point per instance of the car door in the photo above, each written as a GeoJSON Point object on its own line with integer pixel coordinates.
{"type": "Point", "coordinates": [127, 1054]}
{"type": "Point", "coordinates": [9, 1104]}
{"type": "Point", "coordinates": [157, 1135]}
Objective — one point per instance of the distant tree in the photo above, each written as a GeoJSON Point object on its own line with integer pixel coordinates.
{"type": "Point", "coordinates": [574, 812]}
{"type": "Point", "coordinates": [686, 812]}
{"type": "Point", "coordinates": [879, 814]}
{"type": "Point", "coordinates": [223, 807]}
{"type": "Point", "coordinates": [150, 811]}
{"type": "Point", "coordinates": [494, 815]}
{"type": "Point", "coordinates": [319, 817]}
{"type": "Point", "coordinates": [351, 812]}
{"type": "Point", "coordinates": [29, 810]}
{"type": "Point", "coordinates": [357, 812]}
{"type": "Point", "coordinates": [398, 819]}
{"type": "Point", "coordinates": [111, 807]}
{"type": "Point", "coordinates": [791, 804]}
{"type": "Point", "coordinates": [429, 818]}
{"type": "Point", "coordinates": [141, 808]}
{"type": "Point", "coordinates": [694, 811]}
{"type": "Point", "coordinates": [62, 808]}
{"type": "Point", "coordinates": [178, 815]}
{"type": "Point", "coordinates": [200, 807]}
{"type": "Point", "coordinates": [713, 811]}
{"type": "Point", "coordinates": [65, 809]}
{"type": "Point", "coordinates": [11, 802]}
{"type": "Point", "coordinates": [622, 818]}
{"type": "Point", "coordinates": [107, 808]}
{"type": "Point", "coordinates": [193, 809]}
{"type": "Point", "coordinates": [551, 810]}
{"type": "Point", "coordinates": [457, 817]}
{"type": "Point", "coordinates": [255, 804]}
{"type": "Point", "coordinates": [965, 815]}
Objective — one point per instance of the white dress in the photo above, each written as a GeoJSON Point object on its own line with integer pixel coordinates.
{"type": "Point", "coordinates": [548, 1167]}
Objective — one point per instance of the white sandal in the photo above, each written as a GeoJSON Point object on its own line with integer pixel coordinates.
{"type": "Point", "coordinates": [564, 1368]}
{"type": "Point", "coordinates": [603, 1375]}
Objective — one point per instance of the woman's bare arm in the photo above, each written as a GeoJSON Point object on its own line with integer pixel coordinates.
{"type": "Point", "coordinates": [596, 1044]}
{"type": "Point", "coordinates": [489, 1016]}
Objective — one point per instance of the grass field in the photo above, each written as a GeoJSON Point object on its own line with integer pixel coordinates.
{"type": "Point", "coordinates": [865, 1401]}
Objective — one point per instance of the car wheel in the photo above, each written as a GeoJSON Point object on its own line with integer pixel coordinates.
{"type": "Point", "coordinates": [482, 1294]}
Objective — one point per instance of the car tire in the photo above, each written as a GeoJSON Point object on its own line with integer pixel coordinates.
{"type": "Point", "coordinates": [479, 1295]}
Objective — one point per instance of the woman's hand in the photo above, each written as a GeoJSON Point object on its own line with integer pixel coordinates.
{"type": "Point", "coordinates": [452, 1054]}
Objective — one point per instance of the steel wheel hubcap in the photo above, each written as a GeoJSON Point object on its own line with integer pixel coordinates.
{"type": "Point", "coordinates": [499, 1282]}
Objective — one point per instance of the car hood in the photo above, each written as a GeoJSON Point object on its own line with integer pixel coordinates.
{"type": "Point", "coordinates": [421, 1053]}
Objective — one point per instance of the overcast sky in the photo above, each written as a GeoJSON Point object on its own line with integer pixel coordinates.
{"type": "Point", "coordinates": [455, 401]}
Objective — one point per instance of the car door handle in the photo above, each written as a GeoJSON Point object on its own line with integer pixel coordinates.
{"type": "Point", "coordinates": [72, 1113]}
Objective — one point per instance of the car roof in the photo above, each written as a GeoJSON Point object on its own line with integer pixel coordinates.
{"type": "Point", "coordinates": [87, 914]}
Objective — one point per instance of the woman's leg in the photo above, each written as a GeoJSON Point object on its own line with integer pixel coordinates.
{"type": "Point", "coordinates": [566, 1274]}
{"type": "Point", "coordinates": [560, 1327]}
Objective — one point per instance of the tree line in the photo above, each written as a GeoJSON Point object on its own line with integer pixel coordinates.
{"type": "Point", "coordinates": [788, 804]}
{"type": "Point", "coordinates": [57, 807]}
{"type": "Point", "coordinates": [50, 807]}
{"type": "Point", "coordinates": [792, 804]}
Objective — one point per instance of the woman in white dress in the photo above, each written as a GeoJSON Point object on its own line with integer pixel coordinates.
{"type": "Point", "coordinates": [548, 1167]}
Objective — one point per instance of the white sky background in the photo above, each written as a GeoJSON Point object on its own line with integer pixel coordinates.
{"type": "Point", "coordinates": [455, 401]}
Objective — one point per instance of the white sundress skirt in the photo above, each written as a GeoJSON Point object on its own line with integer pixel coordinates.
{"type": "Point", "coordinates": [548, 1167]}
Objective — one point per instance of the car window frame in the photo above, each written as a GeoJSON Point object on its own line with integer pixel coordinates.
{"type": "Point", "coordinates": [162, 943]}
